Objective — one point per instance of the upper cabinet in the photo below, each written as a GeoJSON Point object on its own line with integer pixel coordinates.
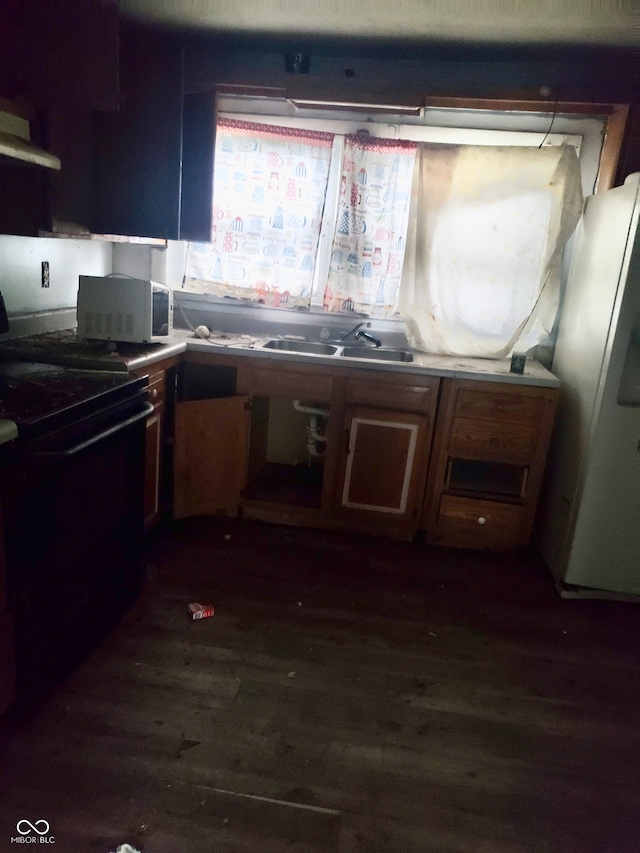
{"type": "Point", "coordinates": [104, 96]}
{"type": "Point", "coordinates": [67, 52]}
{"type": "Point", "coordinates": [58, 61]}
{"type": "Point", "coordinates": [137, 150]}
{"type": "Point", "coordinates": [153, 159]}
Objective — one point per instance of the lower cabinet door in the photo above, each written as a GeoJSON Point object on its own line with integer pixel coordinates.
{"type": "Point", "coordinates": [152, 469]}
{"type": "Point", "coordinates": [384, 462]}
{"type": "Point", "coordinates": [471, 523]}
{"type": "Point", "coordinates": [210, 455]}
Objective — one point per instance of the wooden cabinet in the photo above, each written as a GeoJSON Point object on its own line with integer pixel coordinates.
{"type": "Point", "coordinates": [210, 455]}
{"type": "Point", "coordinates": [392, 458]}
{"type": "Point", "coordinates": [58, 62]}
{"type": "Point", "coordinates": [152, 161]}
{"type": "Point", "coordinates": [305, 384]}
{"type": "Point", "coordinates": [490, 449]}
{"type": "Point", "coordinates": [107, 99]}
{"type": "Point", "coordinates": [384, 458]}
{"type": "Point", "coordinates": [155, 475]}
{"type": "Point", "coordinates": [300, 444]}
{"type": "Point", "coordinates": [68, 51]}
{"type": "Point", "coordinates": [385, 450]}
{"type": "Point", "coordinates": [211, 434]}
{"type": "Point", "coordinates": [474, 523]}
{"type": "Point", "coordinates": [153, 450]}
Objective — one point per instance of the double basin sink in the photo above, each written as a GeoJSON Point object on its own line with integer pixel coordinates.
{"type": "Point", "coordinates": [362, 351]}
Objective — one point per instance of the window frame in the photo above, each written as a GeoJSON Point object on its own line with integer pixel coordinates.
{"type": "Point", "coordinates": [342, 123]}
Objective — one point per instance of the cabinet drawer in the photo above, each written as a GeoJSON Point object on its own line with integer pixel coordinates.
{"type": "Point", "coordinates": [406, 398]}
{"type": "Point", "coordinates": [506, 406]}
{"type": "Point", "coordinates": [304, 386]}
{"type": "Point", "coordinates": [157, 387]}
{"type": "Point", "coordinates": [470, 523]}
{"type": "Point", "coordinates": [504, 442]}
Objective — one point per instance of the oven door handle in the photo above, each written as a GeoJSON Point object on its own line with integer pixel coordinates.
{"type": "Point", "coordinates": [95, 439]}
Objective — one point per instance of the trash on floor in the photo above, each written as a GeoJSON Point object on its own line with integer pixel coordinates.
{"type": "Point", "coordinates": [126, 848]}
{"type": "Point", "coordinates": [201, 611]}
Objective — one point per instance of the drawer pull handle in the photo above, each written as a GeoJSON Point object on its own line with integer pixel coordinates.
{"type": "Point", "coordinates": [482, 520]}
{"type": "Point", "coordinates": [154, 393]}
{"type": "Point", "coordinates": [499, 407]}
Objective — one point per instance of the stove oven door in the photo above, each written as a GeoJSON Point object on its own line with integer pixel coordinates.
{"type": "Point", "coordinates": [74, 541]}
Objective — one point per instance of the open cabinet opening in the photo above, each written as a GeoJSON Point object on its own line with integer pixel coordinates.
{"type": "Point", "coordinates": [206, 382]}
{"type": "Point", "coordinates": [500, 479]}
{"type": "Point", "coordinates": [286, 451]}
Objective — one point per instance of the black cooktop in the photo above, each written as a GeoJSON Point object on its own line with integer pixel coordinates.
{"type": "Point", "coordinates": [33, 394]}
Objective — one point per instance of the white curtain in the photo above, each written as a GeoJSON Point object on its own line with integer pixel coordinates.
{"type": "Point", "coordinates": [369, 242]}
{"type": "Point", "coordinates": [268, 197]}
{"type": "Point", "coordinates": [487, 226]}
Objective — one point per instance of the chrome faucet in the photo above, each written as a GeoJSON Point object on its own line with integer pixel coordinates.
{"type": "Point", "coordinates": [359, 333]}
{"type": "Point", "coordinates": [355, 329]}
{"type": "Point", "coordinates": [368, 337]}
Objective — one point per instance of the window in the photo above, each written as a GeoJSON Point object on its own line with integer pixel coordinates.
{"type": "Point", "coordinates": [269, 193]}
{"type": "Point", "coordinates": [344, 245]}
{"type": "Point", "coordinates": [302, 216]}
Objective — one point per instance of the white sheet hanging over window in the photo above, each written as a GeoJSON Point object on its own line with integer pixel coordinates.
{"type": "Point", "coordinates": [486, 230]}
{"type": "Point", "coordinates": [268, 196]}
{"type": "Point", "coordinates": [369, 242]}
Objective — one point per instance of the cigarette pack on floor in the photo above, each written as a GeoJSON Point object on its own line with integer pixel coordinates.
{"type": "Point", "coordinates": [201, 611]}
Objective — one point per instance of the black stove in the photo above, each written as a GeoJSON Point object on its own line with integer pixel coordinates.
{"type": "Point", "coordinates": [72, 500]}
{"type": "Point", "coordinates": [41, 398]}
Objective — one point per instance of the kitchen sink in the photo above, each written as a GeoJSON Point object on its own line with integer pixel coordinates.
{"type": "Point", "coordinates": [310, 347]}
{"type": "Point", "coordinates": [377, 354]}
{"type": "Point", "coordinates": [317, 348]}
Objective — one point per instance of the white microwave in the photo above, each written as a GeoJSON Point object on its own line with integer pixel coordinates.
{"type": "Point", "coordinates": [119, 308]}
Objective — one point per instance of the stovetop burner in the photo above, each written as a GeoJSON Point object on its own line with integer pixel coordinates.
{"type": "Point", "coordinates": [33, 394]}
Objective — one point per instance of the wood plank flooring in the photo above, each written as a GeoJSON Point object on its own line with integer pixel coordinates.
{"type": "Point", "coordinates": [350, 694]}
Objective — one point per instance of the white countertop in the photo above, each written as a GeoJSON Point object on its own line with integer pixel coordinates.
{"type": "Point", "coordinates": [458, 367]}
{"type": "Point", "coordinates": [62, 347]}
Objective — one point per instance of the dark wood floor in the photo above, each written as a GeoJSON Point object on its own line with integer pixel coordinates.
{"type": "Point", "coordinates": [350, 695]}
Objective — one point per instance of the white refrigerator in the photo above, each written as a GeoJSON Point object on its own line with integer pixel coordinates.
{"type": "Point", "coordinates": [588, 526]}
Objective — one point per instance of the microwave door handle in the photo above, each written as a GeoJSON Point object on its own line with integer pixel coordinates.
{"type": "Point", "coordinates": [95, 439]}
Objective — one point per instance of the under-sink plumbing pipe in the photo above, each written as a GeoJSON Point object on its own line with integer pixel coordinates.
{"type": "Point", "coordinates": [314, 437]}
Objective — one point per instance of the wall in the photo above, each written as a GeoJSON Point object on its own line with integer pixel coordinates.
{"type": "Point", "coordinates": [351, 68]}
{"type": "Point", "coordinates": [20, 276]}
{"type": "Point", "coordinates": [163, 264]}
{"type": "Point", "coordinates": [409, 71]}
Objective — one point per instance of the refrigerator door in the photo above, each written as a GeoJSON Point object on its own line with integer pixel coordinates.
{"type": "Point", "coordinates": [589, 526]}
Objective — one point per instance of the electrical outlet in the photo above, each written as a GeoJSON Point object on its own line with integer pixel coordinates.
{"type": "Point", "coordinates": [45, 274]}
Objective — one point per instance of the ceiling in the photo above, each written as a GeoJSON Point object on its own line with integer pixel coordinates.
{"type": "Point", "coordinates": [606, 23]}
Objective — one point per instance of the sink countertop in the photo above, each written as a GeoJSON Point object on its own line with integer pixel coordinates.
{"type": "Point", "coordinates": [63, 347]}
{"type": "Point", "coordinates": [458, 367]}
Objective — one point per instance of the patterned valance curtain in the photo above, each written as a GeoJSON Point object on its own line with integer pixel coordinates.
{"type": "Point", "coordinates": [484, 246]}
{"type": "Point", "coordinates": [268, 199]}
{"type": "Point", "coordinates": [369, 243]}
